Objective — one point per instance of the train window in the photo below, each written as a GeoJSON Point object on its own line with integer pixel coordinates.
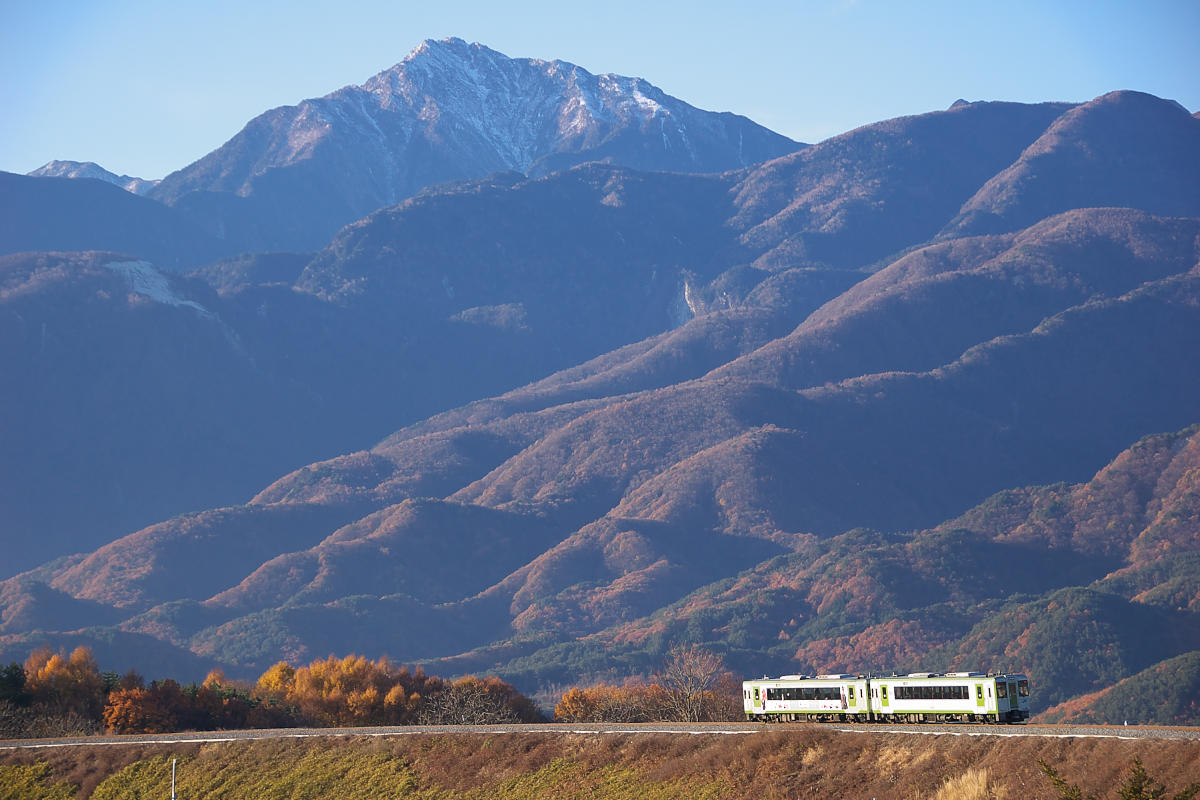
{"type": "Point", "coordinates": [1001, 689]}
{"type": "Point", "coordinates": [1023, 688]}
{"type": "Point", "coordinates": [933, 692]}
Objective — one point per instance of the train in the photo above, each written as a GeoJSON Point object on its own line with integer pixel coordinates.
{"type": "Point", "coordinates": [915, 697]}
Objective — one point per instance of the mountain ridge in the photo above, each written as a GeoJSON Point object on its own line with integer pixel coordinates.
{"type": "Point", "coordinates": [90, 169]}
{"type": "Point", "coordinates": [448, 111]}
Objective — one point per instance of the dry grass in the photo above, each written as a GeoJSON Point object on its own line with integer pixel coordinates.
{"type": "Point", "coordinates": [773, 765]}
{"type": "Point", "coordinates": [974, 784]}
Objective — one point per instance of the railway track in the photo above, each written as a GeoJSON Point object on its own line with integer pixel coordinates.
{"type": "Point", "coordinates": [689, 729]}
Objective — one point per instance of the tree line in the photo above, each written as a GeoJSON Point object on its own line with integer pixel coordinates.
{"type": "Point", "coordinates": [60, 694]}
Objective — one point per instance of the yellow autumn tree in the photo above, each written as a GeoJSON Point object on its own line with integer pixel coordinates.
{"type": "Point", "coordinates": [276, 681]}
{"type": "Point", "coordinates": [64, 683]}
{"type": "Point", "coordinates": [352, 690]}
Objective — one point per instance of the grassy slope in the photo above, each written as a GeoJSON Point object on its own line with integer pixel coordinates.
{"type": "Point", "coordinates": [792, 763]}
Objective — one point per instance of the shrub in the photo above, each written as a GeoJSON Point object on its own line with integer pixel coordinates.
{"type": "Point", "coordinates": [1138, 786]}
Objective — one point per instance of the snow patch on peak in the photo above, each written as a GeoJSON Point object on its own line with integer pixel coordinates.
{"type": "Point", "coordinates": [90, 169]}
{"type": "Point", "coordinates": [145, 280]}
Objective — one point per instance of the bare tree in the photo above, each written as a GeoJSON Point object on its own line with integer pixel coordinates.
{"type": "Point", "coordinates": [466, 702]}
{"type": "Point", "coordinates": [690, 675]}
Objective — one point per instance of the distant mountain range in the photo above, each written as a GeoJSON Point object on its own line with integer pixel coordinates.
{"type": "Point", "coordinates": [90, 169]}
{"type": "Point", "coordinates": [918, 396]}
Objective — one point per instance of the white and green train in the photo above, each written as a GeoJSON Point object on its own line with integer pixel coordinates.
{"type": "Point", "coordinates": [917, 697]}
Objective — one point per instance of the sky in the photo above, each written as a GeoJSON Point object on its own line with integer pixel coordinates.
{"type": "Point", "coordinates": [145, 87]}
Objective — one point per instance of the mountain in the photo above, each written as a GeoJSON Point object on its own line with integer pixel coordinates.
{"type": "Point", "coordinates": [90, 169]}
{"type": "Point", "coordinates": [717, 508]}
{"type": "Point", "coordinates": [785, 411]}
{"type": "Point", "coordinates": [449, 111]}
{"type": "Point", "coordinates": [856, 198]}
{"type": "Point", "coordinates": [462, 292]}
{"type": "Point", "coordinates": [1163, 693]}
{"type": "Point", "coordinates": [178, 415]}
{"type": "Point", "coordinates": [1016, 583]}
{"type": "Point", "coordinates": [1121, 149]}
{"type": "Point", "coordinates": [59, 214]}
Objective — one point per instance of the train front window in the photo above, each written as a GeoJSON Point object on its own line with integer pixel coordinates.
{"type": "Point", "coordinates": [1023, 688]}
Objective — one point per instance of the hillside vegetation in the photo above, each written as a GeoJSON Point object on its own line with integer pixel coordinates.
{"type": "Point", "coordinates": [780, 764]}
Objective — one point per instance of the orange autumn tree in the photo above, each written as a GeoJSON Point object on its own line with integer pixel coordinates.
{"type": "Point", "coordinates": [693, 685]}
{"type": "Point", "coordinates": [633, 702]}
{"type": "Point", "coordinates": [65, 683]}
{"type": "Point", "coordinates": [138, 710]}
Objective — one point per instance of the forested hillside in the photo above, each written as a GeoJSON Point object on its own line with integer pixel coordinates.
{"type": "Point", "coordinates": [920, 396]}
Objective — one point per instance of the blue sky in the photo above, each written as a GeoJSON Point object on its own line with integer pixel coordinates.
{"type": "Point", "coordinates": [144, 88]}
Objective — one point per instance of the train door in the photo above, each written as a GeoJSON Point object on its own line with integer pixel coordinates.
{"type": "Point", "coordinates": [1002, 701]}
{"type": "Point", "coordinates": [758, 699]}
{"type": "Point", "coordinates": [883, 695]}
{"type": "Point", "coordinates": [1012, 695]}
{"type": "Point", "coordinates": [979, 698]}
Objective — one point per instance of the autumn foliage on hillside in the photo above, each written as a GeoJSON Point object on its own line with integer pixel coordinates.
{"type": "Point", "coordinates": [56, 694]}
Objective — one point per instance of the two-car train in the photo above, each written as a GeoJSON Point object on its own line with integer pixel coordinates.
{"type": "Point", "coordinates": [916, 697]}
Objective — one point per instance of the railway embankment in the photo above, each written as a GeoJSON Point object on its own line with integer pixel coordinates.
{"type": "Point", "coordinates": [743, 762]}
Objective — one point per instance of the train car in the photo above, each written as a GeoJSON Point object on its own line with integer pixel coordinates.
{"type": "Point", "coordinates": [917, 697]}
{"type": "Point", "coordinates": [950, 697]}
{"type": "Point", "coordinates": [818, 698]}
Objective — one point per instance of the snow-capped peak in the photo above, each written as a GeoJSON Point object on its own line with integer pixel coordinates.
{"type": "Point", "coordinates": [452, 111]}
{"type": "Point", "coordinates": [90, 169]}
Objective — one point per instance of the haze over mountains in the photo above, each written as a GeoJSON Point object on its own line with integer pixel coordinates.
{"type": "Point", "coordinates": [551, 417]}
